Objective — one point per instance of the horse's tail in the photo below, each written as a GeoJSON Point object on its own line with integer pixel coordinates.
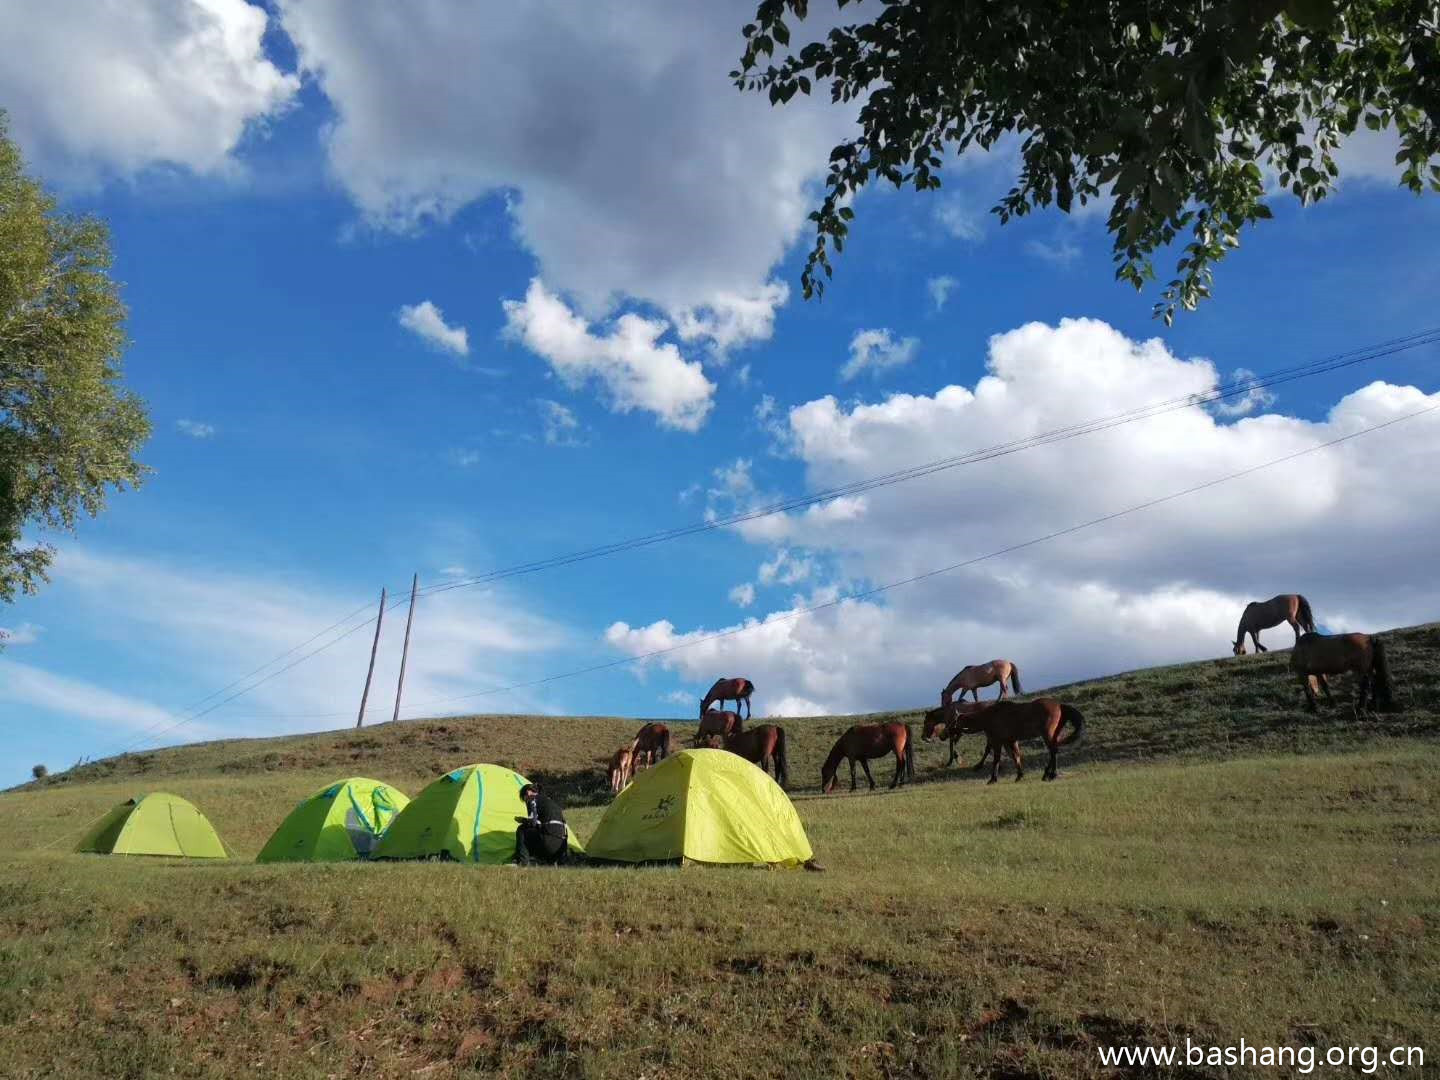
{"type": "Point", "coordinates": [909, 753]}
{"type": "Point", "coordinates": [1015, 679]}
{"type": "Point", "coordinates": [782, 767]}
{"type": "Point", "coordinates": [1380, 673]}
{"type": "Point", "coordinates": [1069, 714]}
{"type": "Point", "coordinates": [1307, 618]}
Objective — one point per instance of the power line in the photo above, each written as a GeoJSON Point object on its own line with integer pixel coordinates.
{"type": "Point", "coordinates": [798, 613]}
{"type": "Point", "coordinates": [1222, 392]}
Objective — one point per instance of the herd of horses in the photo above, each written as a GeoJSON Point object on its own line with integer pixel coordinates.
{"type": "Point", "coordinates": [1003, 722]}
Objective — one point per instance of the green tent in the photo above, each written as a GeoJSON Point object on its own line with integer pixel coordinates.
{"type": "Point", "coordinates": [467, 815]}
{"type": "Point", "coordinates": [154, 824]}
{"type": "Point", "coordinates": [340, 822]}
{"type": "Point", "coordinates": [706, 806]}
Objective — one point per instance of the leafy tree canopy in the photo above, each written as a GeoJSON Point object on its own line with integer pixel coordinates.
{"type": "Point", "coordinates": [68, 431]}
{"type": "Point", "coordinates": [1175, 110]}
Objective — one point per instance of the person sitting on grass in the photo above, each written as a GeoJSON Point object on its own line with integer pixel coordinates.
{"type": "Point", "coordinates": [543, 836]}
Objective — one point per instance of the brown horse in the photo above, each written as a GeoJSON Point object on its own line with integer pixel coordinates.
{"type": "Point", "coordinates": [971, 679]}
{"type": "Point", "coordinates": [621, 769]}
{"type": "Point", "coordinates": [651, 744]}
{"type": "Point", "coordinates": [763, 745]}
{"type": "Point", "coordinates": [737, 690]}
{"type": "Point", "coordinates": [950, 724]}
{"type": "Point", "coordinates": [717, 722]}
{"type": "Point", "coordinates": [1261, 615]}
{"type": "Point", "coordinates": [865, 741]}
{"type": "Point", "coordinates": [1005, 723]}
{"type": "Point", "coordinates": [1317, 655]}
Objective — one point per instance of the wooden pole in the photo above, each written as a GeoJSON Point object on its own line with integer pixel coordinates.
{"type": "Point", "coordinates": [405, 652]}
{"type": "Point", "coordinates": [371, 672]}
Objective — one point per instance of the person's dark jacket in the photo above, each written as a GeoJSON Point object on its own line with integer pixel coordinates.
{"type": "Point", "coordinates": [545, 813]}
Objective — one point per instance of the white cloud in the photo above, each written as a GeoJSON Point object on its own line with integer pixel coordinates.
{"type": "Point", "coordinates": [207, 625]}
{"type": "Point", "coordinates": [635, 369]}
{"type": "Point", "coordinates": [939, 289]}
{"type": "Point", "coordinates": [466, 458]}
{"type": "Point", "coordinates": [1254, 397]}
{"type": "Point", "coordinates": [24, 634]}
{"type": "Point", "coordinates": [1062, 252]}
{"type": "Point", "coordinates": [632, 167]}
{"type": "Point", "coordinates": [195, 429]}
{"type": "Point", "coordinates": [561, 426]}
{"type": "Point", "coordinates": [876, 351]}
{"type": "Point", "coordinates": [97, 89]}
{"type": "Point", "coordinates": [785, 568]}
{"type": "Point", "coordinates": [959, 218]}
{"type": "Point", "coordinates": [1348, 526]}
{"type": "Point", "coordinates": [24, 684]}
{"type": "Point", "coordinates": [743, 595]}
{"type": "Point", "coordinates": [426, 321]}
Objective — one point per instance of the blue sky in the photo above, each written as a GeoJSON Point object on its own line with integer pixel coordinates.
{"type": "Point", "coordinates": [309, 447]}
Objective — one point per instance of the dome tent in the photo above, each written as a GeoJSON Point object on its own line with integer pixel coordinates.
{"type": "Point", "coordinates": [706, 806]}
{"type": "Point", "coordinates": [342, 821]}
{"type": "Point", "coordinates": [467, 815]}
{"type": "Point", "coordinates": [154, 824]}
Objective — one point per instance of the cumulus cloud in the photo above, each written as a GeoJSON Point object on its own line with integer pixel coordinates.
{"type": "Point", "coordinates": [743, 595]}
{"type": "Point", "coordinates": [785, 568]}
{"type": "Point", "coordinates": [561, 426]}
{"type": "Point", "coordinates": [1348, 526]}
{"type": "Point", "coordinates": [1255, 397]}
{"type": "Point", "coordinates": [939, 289]}
{"type": "Point", "coordinates": [631, 166]}
{"type": "Point", "coordinates": [427, 322]}
{"type": "Point", "coordinates": [97, 89]}
{"type": "Point", "coordinates": [876, 351]}
{"type": "Point", "coordinates": [24, 634]}
{"type": "Point", "coordinates": [635, 369]}
{"type": "Point", "coordinates": [195, 429]}
{"type": "Point", "coordinates": [956, 215]}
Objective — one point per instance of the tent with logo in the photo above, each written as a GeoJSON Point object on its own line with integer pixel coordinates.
{"type": "Point", "coordinates": [705, 806]}
{"type": "Point", "coordinates": [154, 824]}
{"type": "Point", "coordinates": [467, 815]}
{"type": "Point", "coordinates": [341, 821]}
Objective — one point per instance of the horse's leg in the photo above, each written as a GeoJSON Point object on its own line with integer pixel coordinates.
{"type": "Point", "coordinates": [1310, 702]}
{"type": "Point", "coordinates": [852, 774]}
{"type": "Point", "coordinates": [1324, 682]}
{"type": "Point", "coordinates": [993, 744]}
{"type": "Point", "coordinates": [1050, 767]}
{"type": "Point", "coordinates": [899, 769]}
{"type": "Point", "coordinates": [1255, 637]}
{"type": "Point", "coordinates": [865, 764]}
{"type": "Point", "coordinates": [1294, 626]}
{"type": "Point", "coordinates": [1015, 756]}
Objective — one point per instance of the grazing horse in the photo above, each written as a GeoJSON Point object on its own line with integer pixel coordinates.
{"type": "Point", "coordinates": [1005, 723]}
{"type": "Point", "coordinates": [1263, 614]}
{"type": "Point", "coordinates": [951, 724]}
{"type": "Point", "coordinates": [971, 679]}
{"type": "Point", "coordinates": [763, 745]}
{"type": "Point", "coordinates": [737, 690]}
{"type": "Point", "coordinates": [622, 769]}
{"type": "Point", "coordinates": [865, 741]}
{"type": "Point", "coordinates": [651, 744]}
{"type": "Point", "coordinates": [1317, 655]}
{"type": "Point", "coordinates": [717, 722]}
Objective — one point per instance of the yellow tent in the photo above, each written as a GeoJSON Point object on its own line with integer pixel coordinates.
{"type": "Point", "coordinates": [706, 806]}
{"type": "Point", "coordinates": [154, 824]}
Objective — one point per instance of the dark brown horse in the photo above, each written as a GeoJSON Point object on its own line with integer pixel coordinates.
{"type": "Point", "coordinates": [717, 722]}
{"type": "Point", "coordinates": [865, 741]}
{"type": "Point", "coordinates": [763, 745]}
{"type": "Point", "coordinates": [970, 679]}
{"type": "Point", "coordinates": [737, 690]}
{"type": "Point", "coordinates": [1005, 723]}
{"type": "Point", "coordinates": [651, 744]}
{"type": "Point", "coordinates": [1263, 614]}
{"type": "Point", "coordinates": [954, 722]}
{"type": "Point", "coordinates": [1317, 655]}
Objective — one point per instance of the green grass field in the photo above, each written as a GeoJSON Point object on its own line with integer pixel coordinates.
{"type": "Point", "coordinates": [1214, 863]}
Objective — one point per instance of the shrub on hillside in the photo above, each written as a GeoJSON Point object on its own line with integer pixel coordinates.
{"type": "Point", "coordinates": [39, 772]}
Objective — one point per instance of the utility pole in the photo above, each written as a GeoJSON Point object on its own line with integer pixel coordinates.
{"type": "Point", "coordinates": [405, 652]}
{"type": "Point", "coordinates": [371, 672]}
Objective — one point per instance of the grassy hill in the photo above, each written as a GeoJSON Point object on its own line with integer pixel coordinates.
{"type": "Point", "coordinates": [1267, 874]}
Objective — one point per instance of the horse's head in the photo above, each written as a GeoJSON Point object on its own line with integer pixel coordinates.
{"type": "Point", "coordinates": [712, 741]}
{"type": "Point", "coordinates": [1239, 648]}
{"type": "Point", "coordinates": [935, 721]}
{"type": "Point", "coordinates": [827, 779]}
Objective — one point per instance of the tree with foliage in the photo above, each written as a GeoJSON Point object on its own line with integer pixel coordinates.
{"type": "Point", "coordinates": [68, 430]}
{"type": "Point", "coordinates": [39, 772]}
{"type": "Point", "coordinates": [1175, 110]}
